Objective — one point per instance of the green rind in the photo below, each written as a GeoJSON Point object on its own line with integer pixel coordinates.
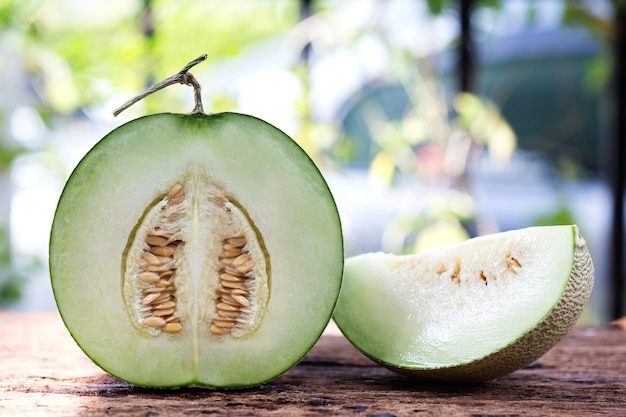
{"type": "Point", "coordinates": [527, 348]}
{"type": "Point", "coordinates": [88, 176]}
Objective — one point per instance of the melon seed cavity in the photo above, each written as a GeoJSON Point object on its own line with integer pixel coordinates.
{"type": "Point", "coordinates": [236, 273]}
{"type": "Point", "coordinates": [453, 271]}
{"type": "Point", "coordinates": [195, 261]}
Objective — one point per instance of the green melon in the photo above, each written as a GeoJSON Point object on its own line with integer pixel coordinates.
{"type": "Point", "coordinates": [195, 250]}
{"type": "Point", "coordinates": [471, 312]}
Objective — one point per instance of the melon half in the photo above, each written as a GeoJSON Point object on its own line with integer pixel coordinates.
{"type": "Point", "coordinates": [195, 250]}
{"type": "Point", "coordinates": [471, 312]}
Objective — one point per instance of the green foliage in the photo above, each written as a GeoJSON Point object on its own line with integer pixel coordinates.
{"type": "Point", "coordinates": [77, 55]}
{"type": "Point", "coordinates": [81, 55]}
{"type": "Point", "coordinates": [562, 215]}
{"type": "Point", "coordinates": [81, 63]}
{"type": "Point", "coordinates": [438, 7]}
{"type": "Point", "coordinates": [12, 279]}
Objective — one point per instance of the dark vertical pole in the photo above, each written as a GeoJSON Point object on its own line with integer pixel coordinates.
{"type": "Point", "coordinates": [618, 163]}
{"type": "Point", "coordinates": [147, 20]}
{"type": "Point", "coordinates": [147, 29]}
{"type": "Point", "coordinates": [306, 10]}
{"type": "Point", "coordinates": [466, 47]}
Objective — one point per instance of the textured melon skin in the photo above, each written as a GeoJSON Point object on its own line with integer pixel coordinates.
{"type": "Point", "coordinates": [93, 312]}
{"type": "Point", "coordinates": [521, 352]}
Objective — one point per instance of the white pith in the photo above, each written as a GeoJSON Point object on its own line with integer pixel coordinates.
{"type": "Point", "coordinates": [201, 222]}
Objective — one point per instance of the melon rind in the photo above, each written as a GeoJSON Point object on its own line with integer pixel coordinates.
{"type": "Point", "coordinates": [264, 171]}
{"type": "Point", "coordinates": [519, 352]}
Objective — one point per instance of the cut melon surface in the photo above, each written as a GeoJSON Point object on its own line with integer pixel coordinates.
{"type": "Point", "coordinates": [471, 312]}
{"type": "Point", "coordinates": [223, 217]}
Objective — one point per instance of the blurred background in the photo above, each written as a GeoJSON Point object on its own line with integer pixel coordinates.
{"type": "Point", "coordinates": [432, 120]}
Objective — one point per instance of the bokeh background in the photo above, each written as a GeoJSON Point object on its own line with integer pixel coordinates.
{"type": "Point", "coordinates": [432, 120]}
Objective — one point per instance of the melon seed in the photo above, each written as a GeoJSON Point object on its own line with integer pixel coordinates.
{"type": "Point", "coordinates": [167, 251]}
{"type": "Point", "coordinates": [155, 240]}
{"type": "Point", "coordinates": [172, 327]}
{"type": "Point", "coordinates": [241, 259]}
{"type": "Point", "coordinates": [246, 267]}
{"type": "Point", "coordinates": [233, 284]}
{"type": "Point", "coordinates": [226, 307]}
{"type": "Point", "coordinates": [229, 277]}
{"type": "Point", "coordinates": [219, 330]}
{"type": "Point", "coordinates": [512, 262]}
{"type": "Point", "coordinates": [166, 274]}
{"type": "Point", "coordinates": [236, 241]}
{"type": "Point", "coordinates": [150, 298]}
{"type": "Point", "coordinates": [163, 312]}
{"type": "Point", "coordinates": [163, 297]}
{"type": "Point", "coordinates": [165, 305]}
{"type": "Point", "coordinates": [149, 277]}
{"type": "Point", "coordinates": [154, 321]}
{"type": "Point", "coordinates": [174, 191]}
{"type": "Point", "coordinates": [177, 199]}
{"type": "Point", "coordinates": [224, 324]}
{"type": "Point", "coordinates": [151, 258]}
{"type": "Point", "coordinates": [152, 290]}
{"type": "Point", "coordinates": [241, 300]}
{"type": "Point", "coordinates": [230, 314]}
{"type": "Point", "coordinates": [230, 253]}
{"type": "Point", "coordinates": [172, 319]}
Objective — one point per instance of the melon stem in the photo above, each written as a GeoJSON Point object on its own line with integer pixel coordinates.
{"type": "Point", "coordinates": [182, 77]}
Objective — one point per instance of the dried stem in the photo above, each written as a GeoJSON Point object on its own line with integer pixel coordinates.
{"type": "Point", "coordinates": [183, 77]}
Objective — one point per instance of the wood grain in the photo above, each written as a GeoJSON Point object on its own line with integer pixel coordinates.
{"type": "Point", "coordinates": [44, 373]}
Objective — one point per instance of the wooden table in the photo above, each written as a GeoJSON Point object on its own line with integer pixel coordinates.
{"type": "Point", "coordinates": [43, 372]}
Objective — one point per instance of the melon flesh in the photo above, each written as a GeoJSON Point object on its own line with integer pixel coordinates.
{"type": "Point", "coordinates": [471, 312]}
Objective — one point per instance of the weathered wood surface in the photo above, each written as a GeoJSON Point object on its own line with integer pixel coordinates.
{"type": "Point", "coordinates": [43, 372]}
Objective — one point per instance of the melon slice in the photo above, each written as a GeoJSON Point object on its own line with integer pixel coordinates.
{"type": "Point", "coordinates": [196, 250]}
{"type": "Point", "coordinates": [471, 312]}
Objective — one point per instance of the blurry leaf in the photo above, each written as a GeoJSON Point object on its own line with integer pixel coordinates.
{"type": "Point", "coordinates": [11, 280]}
{"type": "Point", "coordinates": [531, 14]}
{"type": "Point", "coordinates": [492, 4]}
{"type": "Point", "coordinates": [484, 121]}
{"type": "Point", "coordinates": [10, 291]}
{"type": "Point", "coordinates": [382, 169]}
{"type": "Point", "coordinates": [415, 129]}
{"type": "Point", "coordinates": [440, 234]}
{"type": "Point", "coordinates": [562, 216]}
{"type": "Point", "coordinates": [501, 141]}
{"type": "Point", "coordinates": [7, 155]}
{"type": "Point", "coordinates": [438, 221]}
{"type": "Point", "coordinates": [61, 91]}
{"type": "Point", "coordinates": [435, 6]}
{"type": "Point", "coordinates": [453, 204]}
{"type": "Point", "coordinates": [468, 106]}
{"type": "Point", "coordinates": [598, 75]}
{"type": "Point", "coordinates": [579, 15]}
{"type": "Point", "coordinates": [76, 60]}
